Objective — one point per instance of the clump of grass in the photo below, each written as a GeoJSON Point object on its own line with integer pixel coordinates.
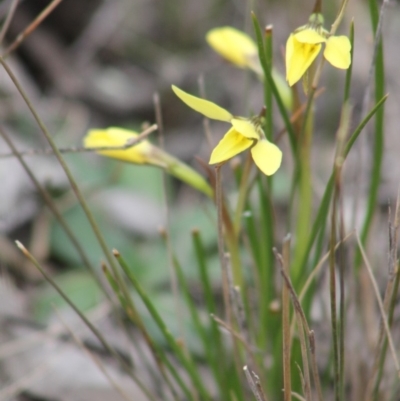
{"type": "Point", "coordinates": [254, 333]}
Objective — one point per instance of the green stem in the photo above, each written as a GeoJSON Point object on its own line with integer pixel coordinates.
{"type": "Point", "coordinates": [242, 194]}
{"type": "Point", "coordinates": [268, 126]}
{"type": "Point", "coordinates": [157, 352]}
{"type": "Point", "coordinates": [305, 190]}
{"type": "Point", "coordinates": [378, 145]}
{"type": "Point", "coordinates": [332, 286]}
{"type": "Point", "coordinates": [274, 89]}
{"type": "Point", "coordinates": [320, 220]}
{"type": "Point", "coordinates": [266, 270]}
{"type": "Point", "coordinates": [178, 350]}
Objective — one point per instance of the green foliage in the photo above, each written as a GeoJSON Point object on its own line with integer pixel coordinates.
{"type": "Point", "coordinates": [78, 286]}
{"type": "Point", "coordinates": [202, 322]}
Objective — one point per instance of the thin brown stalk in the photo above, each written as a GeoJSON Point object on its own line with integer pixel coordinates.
{"type": "Point", "coordinates": [236, 313]}
{"type": "Point", "coordinates": [303, 384]}
{"type": "Point", "coordinates": [95, 359]}
{"type": "Point", "coordinates": [333, 296]}
{"type": "Point", "coordinates": [339, 17]}
{"type": "Point", "coordinates": [259, 387]}
{"type": "Point", "coordinates": [31, 27]}
{"type": "Point", "coordinates": [304, 357]}
{"type": "Point", "coordinates": [236, 301]}
{"type": "Point", "coordinates": [88, 323]}
{"type": "Point", "coordinates": [314, 367]}
{"type": "Point", "coordinates": [381, 346]}
{"type": "Point", "coordinates": [303, 293]}
{"type": "Point", "coordinates": [130, 309]}
{"type": "Point", "coordinates": [301, 323]}
{"type": "Point", "coordinates": [286, 335]}
{"type": "Point", "coordinates": [52, 206]}
{"type": "Point", "coordinates": [18, 345]}
{"type": "Point", "coordinates": [318, 267]}
{"type": "Point", "coordinates": [298, 113]}
{"type": "Point", "coordinates": [300, 314]}
{"type": "Point", "coordinates": [317, 6]}
{"type": "Point", "coordinates": [389, 303]}
{"type": "Point", "coordinates": [171, 266]}
{"type": "Point", "coordinates": [238, 310]}
{"type": "Point", "coordinates": [365, 104]}
{"type": "Point", "coordinates": [99, 236]}
{"type": "Point", "coordinates": [221, 246]}
{"type": "Point", "coordinates": [254, 384]}
{"type": "Point", "coordinates": [223, 260]}
{"type": "Point", "coordinates": [339, 160]}
{"type": "Point", "coordinates": [234, 333]}
{"type": "Point", "coordinates": [380, 304]}
{"type": "Point", "coordinates": [7, 22]}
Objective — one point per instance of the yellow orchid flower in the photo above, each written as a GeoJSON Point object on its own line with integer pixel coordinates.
{"type": "Point", "coordinates": [143, 153]}
{"type": "Point", "coordinates": [239, 48]}
{"type": "Point", "coordinates": [235, 46]}
{"type": "Point", "coordinates": [244, 134]}
{"type": "Point", "coordinates": [304, 45]}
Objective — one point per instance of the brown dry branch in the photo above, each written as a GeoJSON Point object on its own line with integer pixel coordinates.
{"type": "Point", "coordinates": [6, 24]}
{"type": "Point", "coordinates": [286, 335]}
{"type": "Point", "coordinates": [254, 384]}
{"type": "Point", "coordinates": [380, 304]}
{"type": "Point", "coordinates": [128, 369]}
{"type": "Point", "coordinates": [31, 27]}
{"type": "Point", "coordinates": [302, 326]}
{"type": "Point", "coordinates": [389, 296]}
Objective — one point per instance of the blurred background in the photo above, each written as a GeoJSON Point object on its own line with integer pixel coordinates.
{"type": "Point", "coordinates": [99, 63]}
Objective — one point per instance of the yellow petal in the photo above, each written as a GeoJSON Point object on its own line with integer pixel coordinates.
{"type": "Point", "coordinates": [233, 45]}
{"type": "Point", "coordinates": [337, 51]}
{"type": "Point", "coordinates": [245, 128]}
{"type": "Point", "coordinates": [205, 107]}
{"type": "Point", "coordinates": [266, 156]}
{"type": "Point", "coordinates": [302, 56]}
{"type": "Point", "coordinates": [289, 54]}
{"type": "Point", "coordinates": [230, 145]}
{"type": "Point", "coordinates": [310, 36]}
{"type": "Point", "coordinates": [138, 154]}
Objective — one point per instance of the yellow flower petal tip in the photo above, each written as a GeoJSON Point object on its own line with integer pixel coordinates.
{"type": "Point", "coordinates": [304, 45]}
{"type": "Point", "coordinates": [267, 156]}
{"type": "Point", "coordinates": [202, 106]}
{"type": "Point", "coordinates": [233, 45]}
